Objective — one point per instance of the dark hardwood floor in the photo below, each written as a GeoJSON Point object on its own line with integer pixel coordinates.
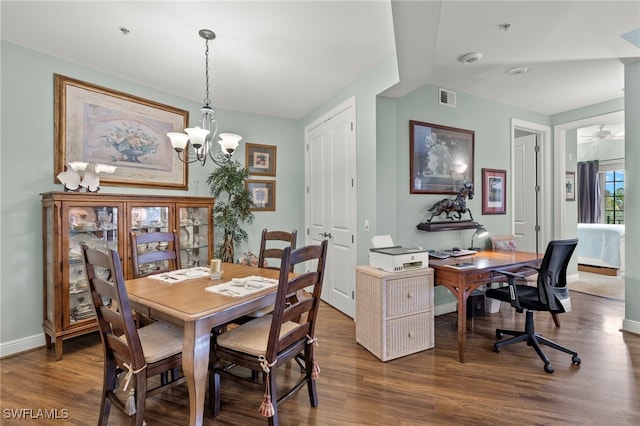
{"type": "Point", "coordinates": [355, 388]}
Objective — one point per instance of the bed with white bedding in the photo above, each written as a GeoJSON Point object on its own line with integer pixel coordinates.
{"type": "Point", "coordinates": [601, 245]}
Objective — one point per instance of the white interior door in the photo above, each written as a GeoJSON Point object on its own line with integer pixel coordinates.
{"type": "Point", "coordinates": [525, 192]}
{"type": "Point", "coordinates": [331, 201]}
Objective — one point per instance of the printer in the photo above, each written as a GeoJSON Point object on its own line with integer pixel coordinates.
{"type": "Point", "coordinates": [391, 258]}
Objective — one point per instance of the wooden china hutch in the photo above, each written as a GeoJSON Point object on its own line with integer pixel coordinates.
{"type": "Point", "coordinates": [105, 221]}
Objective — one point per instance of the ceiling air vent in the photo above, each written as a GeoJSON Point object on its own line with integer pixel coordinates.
{"type": "Point", "coordinates": [447, 97]}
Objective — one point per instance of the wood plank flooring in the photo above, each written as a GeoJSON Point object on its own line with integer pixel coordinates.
{"type": "Point", "coordinates": [355, 388]}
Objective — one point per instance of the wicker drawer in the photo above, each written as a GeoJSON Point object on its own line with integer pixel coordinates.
{"type": "Point", "coordinates": [394, 311]}
{"type": "Point", "coordinates": [408, 295]}
{"type": "Point", "coordinates": [408, 335]}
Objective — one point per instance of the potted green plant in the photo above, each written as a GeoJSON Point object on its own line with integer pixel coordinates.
{"type": "Point", "coordinates": [232, 207]}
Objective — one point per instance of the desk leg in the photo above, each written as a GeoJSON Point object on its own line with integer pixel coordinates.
{"type": "Point", "coordinates": [195, 364]}
{"type": "Point", "coordinates": [462, 292]}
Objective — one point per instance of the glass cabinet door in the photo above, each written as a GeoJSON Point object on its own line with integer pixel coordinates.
{"type": "Point", "coordinates": [147, 219]}
{"type": "Point", "coordinates": [97, 227]}
{"type": "Point", "coordinates": [194, 236]}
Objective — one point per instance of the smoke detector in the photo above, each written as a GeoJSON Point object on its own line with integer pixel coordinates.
{"type": "Point", "coordinates": [470, 58]}
{"type": "Point", "coordinates": [517, 70]}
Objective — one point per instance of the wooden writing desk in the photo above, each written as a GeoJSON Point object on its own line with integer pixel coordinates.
{"type": "Point", "coordinates": [461, 282]}
{"type": "Point", "coordinates": [188, 304]}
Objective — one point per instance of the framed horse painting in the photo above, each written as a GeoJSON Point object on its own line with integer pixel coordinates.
{"type": "Point", "coordinates": [441, 158]}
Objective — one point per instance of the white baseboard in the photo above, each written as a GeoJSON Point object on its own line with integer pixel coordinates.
{"type": "Point", "coordinates": [445, 308]}
{"type": "Point", "coordinates": [631, 326]}
{"type": "Point", "coordinates": [21, 345]}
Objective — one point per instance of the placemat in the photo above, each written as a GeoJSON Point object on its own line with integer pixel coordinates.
{"type": "Point", "coordinates": [181, 275]}
{"type": "Point", "coordinates": [240, 287]}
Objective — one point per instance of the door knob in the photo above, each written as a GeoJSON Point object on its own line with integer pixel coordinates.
{"type": "Point", "coordinates": [325, 234]}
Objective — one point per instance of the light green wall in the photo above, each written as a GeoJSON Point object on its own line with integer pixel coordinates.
{"type": "Point", "coordinates": [365, 89]}
{"type": "Point", "coordinates": [383, 162]}
{"type": "Point", "coordinates": [491, 123]}
{"type": "Point", "coordinates": [632, 195]}
{"type": "Point", "coordinates": [26, 158]}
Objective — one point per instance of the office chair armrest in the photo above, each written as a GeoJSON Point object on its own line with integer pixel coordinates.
{"type": "Point", "coordinates": [513, 288]}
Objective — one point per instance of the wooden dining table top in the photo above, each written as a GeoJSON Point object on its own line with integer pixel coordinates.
{"type": "Point", "coordinates": [189, 300]}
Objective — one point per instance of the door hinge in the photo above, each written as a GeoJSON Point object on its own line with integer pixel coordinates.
{"type": "Point", "coordinates": [307, 189]}
{"type": "Point", "coordinates": [537, 188]}
{"type": "Point", "coordinates": [536, 148]}
{"type": "Point", "coordinates": [307, 231]}
{"type": "Point", "coordinates": [352, 126]}
{"type": "Point", "coordinates": [307, 147]}
{"type": "Point", "coordinates": [353, 295]}
{"type": "Point", "coordinates": [352, 182]}
{"type": "Point", "coordinates": [536, 228]}
{"type": "Point", "coordinates": [352, 239]}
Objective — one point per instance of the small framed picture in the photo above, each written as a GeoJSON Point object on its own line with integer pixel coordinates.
{"type": "Point", "coordinates": [494, 191]}
{"type": "Point", "coordinates": [260, 159]}
{"type": "Point", "coordinates": [570, 186]}
{"type": "Point", "coordinates": [263, 193]}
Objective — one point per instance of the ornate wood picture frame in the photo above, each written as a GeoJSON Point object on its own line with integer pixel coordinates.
{"type": "Point", "coordinates": [99, 126]}
{"type": "Point", "coordinates": [260, 159]}
{"type": "Point", "coordinates": [441, 158]}
{"type": "Point", "coordinates": [494, 191]}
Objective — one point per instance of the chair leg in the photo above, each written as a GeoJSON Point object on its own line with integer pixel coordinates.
{"type": "Point", "coordinates": [556, 320]}
{"type": "Point", "coordinates": [273, 420]}
{"type": "Point", "coordinates": [214, 393]}
{"type": "Point", "coordinates": [535, 340]}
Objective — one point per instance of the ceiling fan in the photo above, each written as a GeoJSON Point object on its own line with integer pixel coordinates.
{"type": "Point", "coordinates": [599, 135]}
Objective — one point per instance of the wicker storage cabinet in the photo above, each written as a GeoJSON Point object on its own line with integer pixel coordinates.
{"type": "Point", "coordinates": [394, 311]}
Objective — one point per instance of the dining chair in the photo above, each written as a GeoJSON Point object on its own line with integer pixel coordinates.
{"type": "Point", "coordinates": [508, 243]}
{"type": "Point", "coordinates": [272, 244]}
{"type": "Point", "coordinates": [551, 294]}
{"type": "Point", "coordinates": [136, 354]}
{"type": "Point", "coordinates": [271, 341]}
{"type": "Point", "coordinates": [154, 253]}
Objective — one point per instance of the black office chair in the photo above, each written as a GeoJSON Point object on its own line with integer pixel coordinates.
{"type": "Point", "coordinates": [551, 294]}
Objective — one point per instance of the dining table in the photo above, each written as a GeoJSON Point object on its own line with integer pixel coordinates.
{"type": "Point", "coordinates": [191, 304]}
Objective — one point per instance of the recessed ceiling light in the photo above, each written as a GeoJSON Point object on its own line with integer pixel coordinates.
{"type": "Point", "coordinates": [470, 58]}
{"type": "Point", "coordinates": [518, 70]}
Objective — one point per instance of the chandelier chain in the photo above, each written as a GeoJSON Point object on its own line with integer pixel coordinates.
{"type": "Point", "coordinates": [207, 101]}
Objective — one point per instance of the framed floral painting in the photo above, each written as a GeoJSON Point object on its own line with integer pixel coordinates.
{"type": "Point", "coordinates": [260, 159]}
{"type": "Point", "coordinates": [441, 158]}
{"type": "Point", "coordinates": [102, 127]}
{"type": "Point", "coordinates": [263, 193]}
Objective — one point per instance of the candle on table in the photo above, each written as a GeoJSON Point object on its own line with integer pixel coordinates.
{"type": "Point", "coordinates": [215, 266]}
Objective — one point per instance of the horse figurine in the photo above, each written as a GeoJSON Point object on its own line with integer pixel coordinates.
{"type": "Point", "coordinates": [457, 206]}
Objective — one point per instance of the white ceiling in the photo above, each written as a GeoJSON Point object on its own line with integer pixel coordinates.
{"type": "Point", "coordinates": [285, 58]}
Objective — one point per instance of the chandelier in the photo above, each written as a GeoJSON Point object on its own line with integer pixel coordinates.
{"type": "Point", "coordinates": [197, 143]}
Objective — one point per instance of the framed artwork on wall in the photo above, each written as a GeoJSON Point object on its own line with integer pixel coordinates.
{"type": "Point", "coordinates": [102, 128]}
{"type": "Point", "coordinates": [441, 158]}
{"type": "Point", "coordinates": [263, 193]}
{"type": "Point", "coordinates": [260, 159]}
{"type": "Point", "coordinates": [570, 186]}
{"type": "Point", "coordinates": [494, 191]}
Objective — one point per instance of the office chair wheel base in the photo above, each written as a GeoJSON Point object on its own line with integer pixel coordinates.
{"type": "Point", "coordinates": [495, 348]}
{"type": "Point", "coordinates": [548, 368]}
{"type": "Point", "coordinates": [575, 360]}
{"type": "Point", "coordinates": [499, 334]}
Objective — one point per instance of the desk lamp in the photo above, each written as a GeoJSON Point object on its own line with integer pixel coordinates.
{"type": "Point", "coordinates": [480, 232]}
